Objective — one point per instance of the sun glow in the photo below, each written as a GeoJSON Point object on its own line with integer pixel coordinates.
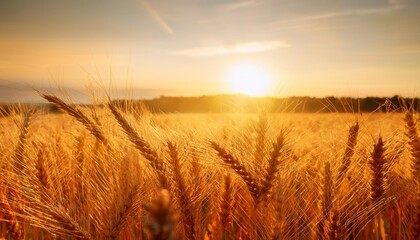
{"type": "Point", "coordinates": [249, 79]}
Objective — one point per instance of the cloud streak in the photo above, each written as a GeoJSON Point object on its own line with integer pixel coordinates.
{"type": "Point", "coordinates": [156, 17]}
{"type": "Point", "coordinates": [351, 12]}
{"type": "Point", "coordinates": [242, 4]}
{"type": "Point", "coordinates": [248, 47]}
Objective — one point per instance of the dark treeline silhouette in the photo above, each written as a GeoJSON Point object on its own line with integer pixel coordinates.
{"type": "Point", "coordinates": [243, 103]}
{"type": "Point", "coordinates": [247, 104]}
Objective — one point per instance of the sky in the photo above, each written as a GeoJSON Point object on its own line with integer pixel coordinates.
{"type": "Point", "coordinates": [190, 47]}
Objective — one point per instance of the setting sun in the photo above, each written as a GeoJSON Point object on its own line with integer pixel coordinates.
{"type": "Point", "coordinates": [249, 79]}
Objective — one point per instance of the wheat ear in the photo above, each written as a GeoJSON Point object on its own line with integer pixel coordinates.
{"type": "Point", "coordinates": [19, 161]}
{"type": "Point", "coordinates": [234, 164]}
{"type": "Point", "coordinates": [226, 205]}
{"type": "Point", "coordinates": [19, 165]}
{"type": "Point", "coordinates": [63, 222]}
{"type": "Point", "coordinates": [414, 228]}
{"type": "Point", "coordinates": [141, 145]}
{"type": "Point", "coordinates": [42, 173]}
{"type": "Point", "coordinates": [414, 142]}
{"type": "Point", "coordinates": [326, 201]}
{"type": "Point", "coordinates": [128, 209]}
{"type": "Point", "coordinates": [261, 130]}
{"type": "Point", "coordinates": [14, 227]}
{"type": "Point", "coordinates": [377, 166]}
{"type": "Point", "coordinates": [333, 226]}
{"type": "Point", "coordinates": [349, 152]}
{"type": "Point", "coordinates": [273, 168]}
{"type": "Point", "coordinates": [79, 116]}
{"type": "Point", "coordinates": [182, 193]}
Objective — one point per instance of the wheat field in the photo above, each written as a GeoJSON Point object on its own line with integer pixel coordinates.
{"type": "Point", "coordinates": [113, 172]}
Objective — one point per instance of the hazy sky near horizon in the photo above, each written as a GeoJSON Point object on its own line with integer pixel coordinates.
{"type": "Point", "coordinates": [188, 47]}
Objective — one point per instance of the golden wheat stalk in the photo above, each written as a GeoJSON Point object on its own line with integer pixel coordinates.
{"type": "Point", "coordinates": [79, 116]}
{"type": "Point", "coordinates": [349, 152]}
{"type": "Point", "coordinates": [182, 193]}
{"type": "Point", "coordinates": [15, 228]}
{"type": "Point", "coordinates": [144, 147]}
{"type": "Point", "coordinates": [80, 172]}
{"type": "Point", "coordinates": [128, 209]}
{"type": "Point", "coordinates": [377, 166]}
{"type": "Point", "coordinates": [333, 228]}
{"type": "Point", "coordinates": [19, 161]}
{"type": "Point", "coordinates": [414, 142]}
{"type": "Point", "coordinates": [52, 216]}
{"type": "Point", "coordinates": [261, 130]}
{"type": "Point", "coordinates": [20, 166]}
{"type": "Point", "coordinates": [273, 169]}
{"type": "Point", "coordinates": [63, 224]}
{"type": "Point", "coordinates": [414, 226]}
{"type": "Point", "coordinates": [42, 173]}
{"type": "Point", "coordinates": [226, 205]}
{"type": "Point", "coordinates": [327, 199]}
{"type": "Point", "coordinates": [235, 165]}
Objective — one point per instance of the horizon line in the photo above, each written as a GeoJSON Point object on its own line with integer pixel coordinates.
{"type": "Point", "coordinates": [43, 101]}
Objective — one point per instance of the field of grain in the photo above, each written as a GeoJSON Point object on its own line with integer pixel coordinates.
{"type": "Point", "coordinates": [124, 173]}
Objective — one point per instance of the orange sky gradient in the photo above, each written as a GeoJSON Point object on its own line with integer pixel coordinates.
{"type": "Point", "coordinates": [188, 47]}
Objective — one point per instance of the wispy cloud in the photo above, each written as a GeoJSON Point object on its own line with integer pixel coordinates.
{"type": "Point", "coordinates": [350, 12]}
{"type": "Point", "coordinates": [407, 50]}
{"type": "Point", "coordinates": [248, 47]}
{"type": "Point", "coordinates": [396, 1]}
{"type": "Point", "coordinates": [242, 4]}
{"type": "Point", "coordinates": [231, 6]}
{"type": "Point", "coordinates": [156, 16]}
{"type": "Point", "coordinates": [404, 49]}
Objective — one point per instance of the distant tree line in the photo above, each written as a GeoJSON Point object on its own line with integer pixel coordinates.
{"type": "Point", "coordinates": [247, 104]}
{"type": "Point", "coordinates": [243, 103]}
